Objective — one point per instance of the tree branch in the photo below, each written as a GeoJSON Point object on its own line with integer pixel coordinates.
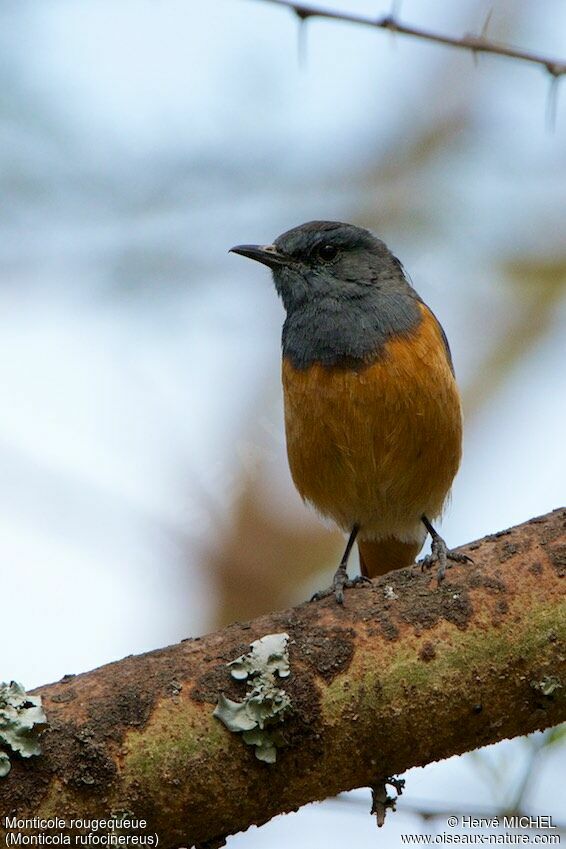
{"type": "Point", "coordinates": [474, 43]}
{"type": "Point", "coordinates": [407, 672]}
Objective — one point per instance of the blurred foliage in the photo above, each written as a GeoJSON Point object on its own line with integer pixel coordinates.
{"type": "Point", "coordinates": [496, 765]}
{"type": "Point", "coordinates": [261, 562]}
{"type": "Point", "coordinates": [536, 287]}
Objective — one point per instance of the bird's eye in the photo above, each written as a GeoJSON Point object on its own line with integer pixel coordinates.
{"type": "Point", "coordinates": [327, 252]}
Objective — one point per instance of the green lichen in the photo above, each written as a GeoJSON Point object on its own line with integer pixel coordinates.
{"type": "Point", "coordinates": [265, 703]}
{"type": "Point", "coordinates": [21, 720]}
{"type": "Point", "coordinates": [497, 648]}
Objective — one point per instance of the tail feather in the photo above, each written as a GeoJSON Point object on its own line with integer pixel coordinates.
{"type": "Point", "coordinates": [377, 557]}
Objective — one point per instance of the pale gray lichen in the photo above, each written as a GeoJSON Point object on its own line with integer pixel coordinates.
{"type": "Point", "coordinates": [547, 686]}
{"type": "Point", "coordinates": [21, 720]}
{"type": "Point", "coordinates": [121, 820]}
{"type": "Point", "coordinates": [5, 765]}
{"type": "Point", "coordinates": [265, 703]}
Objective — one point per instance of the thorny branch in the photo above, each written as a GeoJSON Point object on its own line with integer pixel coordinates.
{"type": "Point", "coordinates": [474, 43]}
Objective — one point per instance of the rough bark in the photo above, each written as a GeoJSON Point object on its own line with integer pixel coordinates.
{"type": "Point", "coordinates": [406, 673]}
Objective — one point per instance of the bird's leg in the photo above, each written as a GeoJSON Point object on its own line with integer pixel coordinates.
{"type": "Point", "coordinates": [341, 581]}
{"type": "Point", "coordinates": [440, 553]}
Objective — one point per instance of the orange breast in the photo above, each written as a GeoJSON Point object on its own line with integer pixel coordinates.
{"type": "Point", "coordinates": [379, 445]}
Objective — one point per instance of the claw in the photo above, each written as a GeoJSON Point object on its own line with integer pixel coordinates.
{"type": "Point", "coordinates": [441, 554]}
{"type": "Point", "coordinates": [341, 582]}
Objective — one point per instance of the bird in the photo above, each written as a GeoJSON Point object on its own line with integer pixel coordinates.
{"type": "Point", "coordinates": [373, 417]}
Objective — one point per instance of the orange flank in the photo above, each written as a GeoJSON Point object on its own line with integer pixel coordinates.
{"type": "Point", "coordinates": [378, 445]}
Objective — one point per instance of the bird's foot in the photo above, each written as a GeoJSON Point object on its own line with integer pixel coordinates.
{"type": "Point", "coordinates": [440, 555]}
{"type": "Point", "coordinates": [341, 582]}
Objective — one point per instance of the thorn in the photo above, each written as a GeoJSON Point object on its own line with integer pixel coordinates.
{"type": "Point", "coordinates": [395, 9]}
{"type": "Point", "coordinates": [552, 103]}
{"type": "Point", "coordinates": [485, 27]}
{"type": "Point", "coordinates": [482, 36]}
{"type": "Point", "coordinates": [302, 41]}
{"type": "Point", "coordinates": [389, 21]}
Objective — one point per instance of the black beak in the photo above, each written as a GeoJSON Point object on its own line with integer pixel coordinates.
{"type": "Point", "coordinates": [266, 254]}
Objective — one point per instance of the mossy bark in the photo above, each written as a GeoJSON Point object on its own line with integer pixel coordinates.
{"type": "Point", "coordinates": [407, 672]}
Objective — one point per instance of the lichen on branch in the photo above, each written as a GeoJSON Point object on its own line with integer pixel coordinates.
{"type": "Point", "coordinates": [405, 673]}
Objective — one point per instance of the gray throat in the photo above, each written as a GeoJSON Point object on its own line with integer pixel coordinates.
{"type": "Point", "coordinates": [346, 332]}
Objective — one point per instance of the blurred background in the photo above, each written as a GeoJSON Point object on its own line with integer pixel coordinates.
{"type": "Point", "coordinates": [144, 493]}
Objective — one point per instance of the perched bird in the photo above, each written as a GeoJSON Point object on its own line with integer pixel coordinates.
{"type": "Point", "coordinates": [372, 413]}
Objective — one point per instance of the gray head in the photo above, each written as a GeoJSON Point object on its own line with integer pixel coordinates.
{"type": "Point", "coordinates": [344, 292]}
